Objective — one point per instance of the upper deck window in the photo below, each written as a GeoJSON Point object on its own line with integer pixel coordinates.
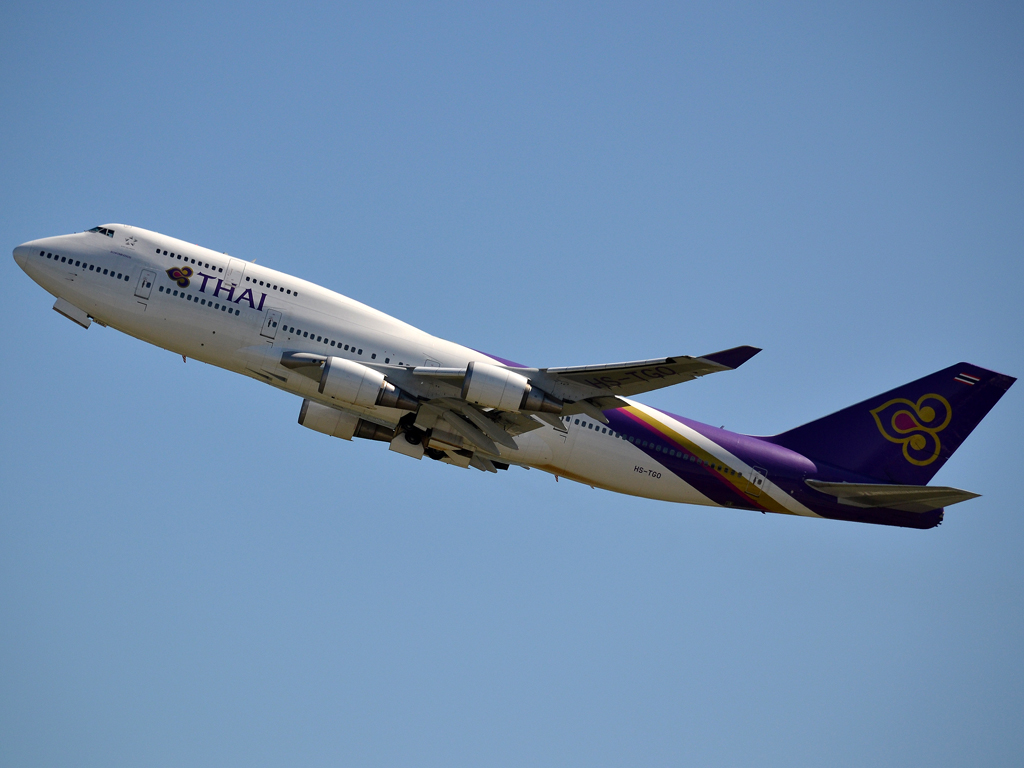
{"type": "Point", "coordinates": [103, 231]}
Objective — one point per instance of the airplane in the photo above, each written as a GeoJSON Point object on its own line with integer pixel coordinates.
{"type": "Point", "coordinates": [363, 374]}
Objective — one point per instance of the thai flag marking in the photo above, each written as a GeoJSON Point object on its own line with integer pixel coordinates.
{"type": "Point", "coordinates": [964, 378]}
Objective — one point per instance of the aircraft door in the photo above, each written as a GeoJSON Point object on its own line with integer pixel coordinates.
{"type": "Point", "coordinates": [145, 285]}
{"type": "Point", "coordinates": [233, 273]}
{"type": "Point", "coordinates": [271, 323]}
{"type": "Point", "coordinates": [756, 481]}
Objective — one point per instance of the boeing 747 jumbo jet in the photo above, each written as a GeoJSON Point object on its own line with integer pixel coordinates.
{"type": "Point", "coordinates": [361, 373]}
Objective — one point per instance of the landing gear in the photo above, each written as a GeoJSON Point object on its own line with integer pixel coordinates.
{"type": "Point", "coordinates": [413, 435]}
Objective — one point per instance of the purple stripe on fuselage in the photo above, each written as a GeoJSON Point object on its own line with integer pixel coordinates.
{"type": "Point", "coordinates": [788, 469]}
{"type": "Point", "coordinates": [501, 360]}
{"type": "Point", "coordinates": [688, 466]}
{"type": "Point", "coordinates": [753, 450]}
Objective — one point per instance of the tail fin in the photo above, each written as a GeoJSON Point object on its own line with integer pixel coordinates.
{"type": "Point", "coordinates": [905, 435]}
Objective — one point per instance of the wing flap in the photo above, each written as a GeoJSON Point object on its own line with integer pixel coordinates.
{"type": "Point", "coordinates": [906, 498]}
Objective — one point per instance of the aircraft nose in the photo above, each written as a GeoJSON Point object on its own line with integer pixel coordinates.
{"type": "Point", "coordinates": [21, 254]}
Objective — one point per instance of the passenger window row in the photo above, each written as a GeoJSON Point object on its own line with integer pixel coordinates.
{"type": "Point", "coordinates": [187, 260]}
{"type": "Point", "coordinates": [603, 430]}
{"type": "Point", "coordinates": [206, 265]}
{"type": "Point", "coordinates": [84, 265]}
{"type": "Point", "coordinates": [200, 301]}
{"type": "Point", "coordinates": [325, 340]}
{"type": "Point", "coordinates": [658, 448]}
{"type": "Point", "coordinates": [271, 287]}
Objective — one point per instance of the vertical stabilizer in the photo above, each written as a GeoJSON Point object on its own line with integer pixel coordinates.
{"type": "Point", "coordinates": [904, 435]}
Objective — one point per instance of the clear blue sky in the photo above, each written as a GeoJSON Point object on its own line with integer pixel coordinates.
{"type": "Point", "coordinates": [187, 577]}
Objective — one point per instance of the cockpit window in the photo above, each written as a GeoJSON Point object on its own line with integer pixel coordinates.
{"type": "Point", "coordinates": [103, 231]}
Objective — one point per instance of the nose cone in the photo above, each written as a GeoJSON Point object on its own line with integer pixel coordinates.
{"type": "Point", "coordinates": [21, 254]}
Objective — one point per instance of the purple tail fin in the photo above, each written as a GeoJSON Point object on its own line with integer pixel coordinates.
{"type": "Point", "coordinates": [905, 435]}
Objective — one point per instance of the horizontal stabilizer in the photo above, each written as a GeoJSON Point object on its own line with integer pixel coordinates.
{"type": "Point", "coordinates": [906, 498]}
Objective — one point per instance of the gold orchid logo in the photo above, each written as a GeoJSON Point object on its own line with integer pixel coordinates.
{"type": "Point", "coordinates": [915, 425]}
{"type": "Point", "coordinates": [180, 275]}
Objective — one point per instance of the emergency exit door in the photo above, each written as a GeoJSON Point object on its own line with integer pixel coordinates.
{"type": "Point", "coordinates": [755, 482]}
{"type": "Point", "coordinates": [271, 323]}
{"type": "Point", "coordinates": [145, 286]}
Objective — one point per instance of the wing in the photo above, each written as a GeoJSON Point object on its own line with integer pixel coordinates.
{"type": "Point", "coordinates": [642, 375]}
{"type": "Point", "coordinates": [588, 389]}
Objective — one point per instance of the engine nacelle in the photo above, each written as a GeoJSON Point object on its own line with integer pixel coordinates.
{"type": "Point", "coordinates": [343, 424]}
{"type": "Point", "coordinates": [357, 384]}
{"type": "Point", "coordinates": [494, 387]}
{"type": "Point", "coordinates": [330, 421]}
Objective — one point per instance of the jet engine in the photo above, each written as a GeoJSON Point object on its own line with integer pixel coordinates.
{"type": "Point", "coordinates": [330, 421]}
{"type": "Point", "coordinates": [343, 424]}
{"type": "Point", "coordinates": [494, 387]}
{"type": "Point", "coordinates": [357, 384]}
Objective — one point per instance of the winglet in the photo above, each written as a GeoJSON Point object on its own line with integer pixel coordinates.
{"type": "Point", "coordinates": [732, 358]}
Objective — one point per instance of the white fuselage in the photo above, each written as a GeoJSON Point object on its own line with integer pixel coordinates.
{"type": "Point", "coordinates": [240, 316]}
